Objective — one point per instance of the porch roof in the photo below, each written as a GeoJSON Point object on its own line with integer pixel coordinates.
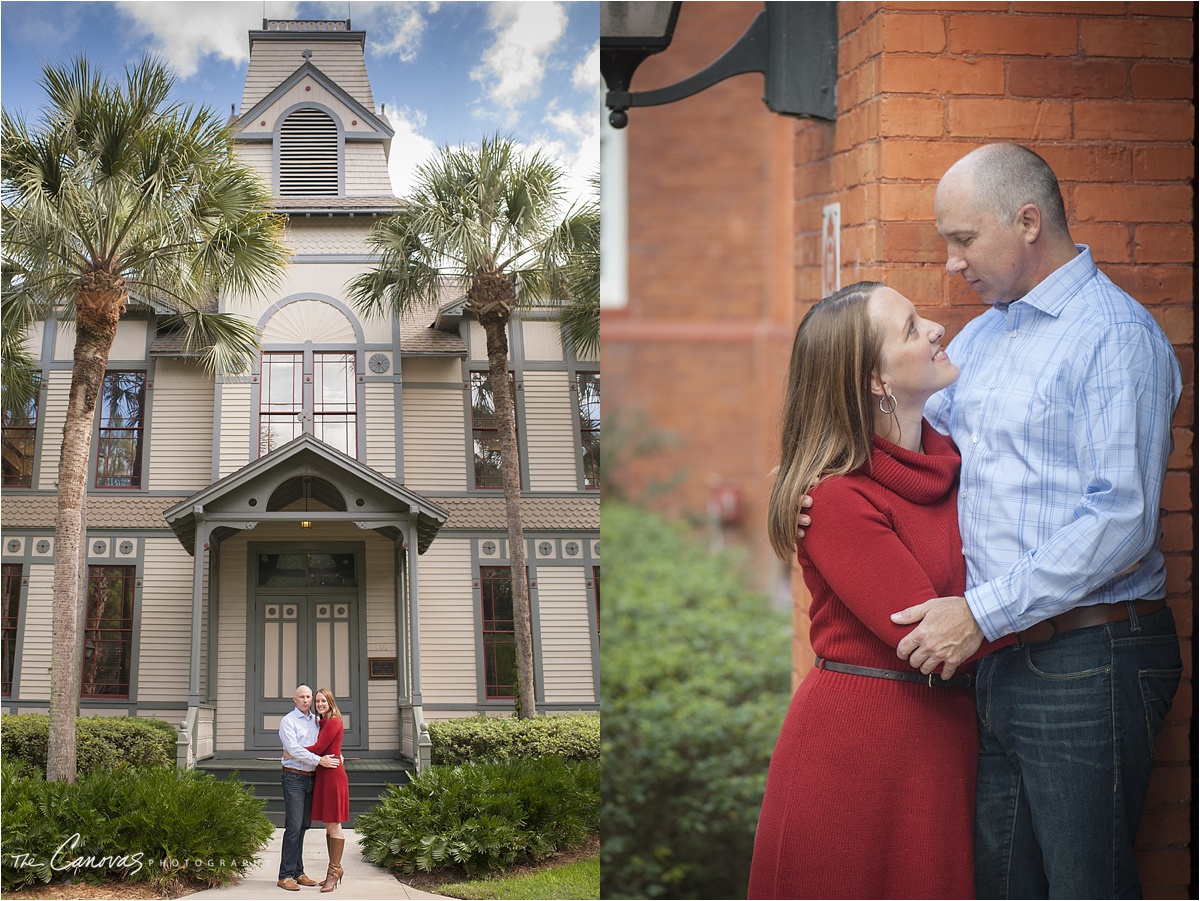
{"type": "Point", "coordinates": [261, 490]}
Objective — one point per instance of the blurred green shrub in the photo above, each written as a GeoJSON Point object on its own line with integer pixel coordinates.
{"type": "Point", "coordinates": [695, 681]}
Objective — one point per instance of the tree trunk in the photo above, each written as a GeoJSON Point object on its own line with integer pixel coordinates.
{"type": "Point", "coordinates": [99, 302]}
{"type": "Point", "coordinates": [494, 320]}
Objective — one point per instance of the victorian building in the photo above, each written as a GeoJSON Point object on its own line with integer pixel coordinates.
{"type": "Point", "coordinates": [332, 516]}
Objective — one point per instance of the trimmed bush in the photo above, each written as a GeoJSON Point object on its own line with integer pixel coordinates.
{"type": "Point", "coordinates": [573, 736]}
{"type": "Point", "coordinates": [101, 742]}
{"type": "Point", "coordinates": [695, 681]}
{"type": "Point", "coordinates": [174, 830]}
{"type": "Point", "coordinates": [483, 816]}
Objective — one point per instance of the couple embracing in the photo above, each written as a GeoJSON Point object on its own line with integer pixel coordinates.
{"type": "Point", "coordinates": [988, 513]}
{"type": "Point", "coordinates": [314, 785]}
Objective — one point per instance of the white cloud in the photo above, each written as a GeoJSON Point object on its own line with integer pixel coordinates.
{"type": "Point", "coordinates": [410, 148]}
{"type": "Point", "coordinates": [513, 67]}
{"type": "Point", "coordinates": [577, 150]}
{"type": "Point", "coordinates": [184, 33]}
{"type": "Point", "coordinates": [586, 76]}
{"type": "Point", "coordinates": [402, 27]}
{"type": "Point", "coordinates": [393, 28]}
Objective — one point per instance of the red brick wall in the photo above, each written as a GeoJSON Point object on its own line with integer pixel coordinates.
{"type": "Point", "coordinates": [1105, 93]}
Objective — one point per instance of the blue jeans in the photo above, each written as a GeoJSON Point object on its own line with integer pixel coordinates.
{"type": "Point", "coordinates": [297, 817]}
{"type": "Point", "coordinates": [1066, 745]}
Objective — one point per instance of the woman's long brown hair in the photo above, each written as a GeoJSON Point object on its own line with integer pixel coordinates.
{"type": "Point", "coordinates": [827, 422]}
{"type": "Point", "coordinates": [333, 707]}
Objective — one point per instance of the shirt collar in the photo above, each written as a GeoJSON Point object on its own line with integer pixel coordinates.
{"type": "Point", "coordinates": [299, 712]}
{"type": "Point", "coordinates": [1052, 294]}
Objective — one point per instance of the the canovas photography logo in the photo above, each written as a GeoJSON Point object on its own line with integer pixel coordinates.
{"type": "Point", "coordinates": [67, 858]}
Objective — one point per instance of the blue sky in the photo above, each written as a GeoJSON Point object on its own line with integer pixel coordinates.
{"type": "Point", "coordinates": [447, 73]}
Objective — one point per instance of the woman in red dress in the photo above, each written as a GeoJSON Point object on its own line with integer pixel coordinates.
{"type": "Point", "coordinates": [871, 788]}
{"type": "Point", "coordinates": [331, 792]}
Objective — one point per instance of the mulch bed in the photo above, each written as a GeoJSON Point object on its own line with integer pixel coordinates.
{"type": "Point", "coordinates": [87, 892]}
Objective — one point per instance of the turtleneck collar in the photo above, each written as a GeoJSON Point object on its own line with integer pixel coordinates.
{"type": "Point", "coordinates": [916, 477]}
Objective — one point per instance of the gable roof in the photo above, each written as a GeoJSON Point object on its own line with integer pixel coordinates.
{"type": "Point", "coordinates": [242, 496]}
{"type": "Point", "coordinates": [377, 128]}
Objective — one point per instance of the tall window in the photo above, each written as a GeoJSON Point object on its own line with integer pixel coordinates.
{"type": "Point", "coordinates": [485, 430]}
{"type": "Point", "coordinates": [335, 412]}
{"type": "Point", "coordinates": [285, 406]}
{"type": "Point", "coordinates": [120, 445]}
{"type": "Point", "coordinates": [8, 624]}
{"type": "Point", "coordinates": [281, 405]}
{"type": "Point", "coordinates": [499, 633]}
{"type": "Point", "coordinates": [18, 443]}
{"type": "Point", "coordinates": [588, 384]}
{"type": "Point", "coordinates": [108, 632]}
{"type": "Point", "coordinates": [308, 154]}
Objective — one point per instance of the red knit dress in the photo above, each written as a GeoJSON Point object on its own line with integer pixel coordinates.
{"type": "Point", "coordinates": [331, 791]}
{"type": "Point", "coordinates": [871, 789]}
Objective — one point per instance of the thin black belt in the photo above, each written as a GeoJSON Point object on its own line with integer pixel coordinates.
{"type": "Point", "coordinates": [932, 680]}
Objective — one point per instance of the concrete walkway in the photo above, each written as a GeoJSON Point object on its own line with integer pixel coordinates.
{"type": "Point", "coordinates": [363, 880]}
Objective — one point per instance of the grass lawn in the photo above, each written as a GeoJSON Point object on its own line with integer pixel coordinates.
{"type": "Point", "coordinates": [573, 874]}
{"type": "Point", "coordinates": [578, 879]}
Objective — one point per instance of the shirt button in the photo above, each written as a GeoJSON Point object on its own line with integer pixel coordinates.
{"type": "Point", "coordinates": [1013, 335]}
{"type": "Point", "coordinates": [964, 494]}
{"type": "Point", "coordinates": [974, 439]}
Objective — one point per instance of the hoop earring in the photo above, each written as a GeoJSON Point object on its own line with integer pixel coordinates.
{"type": "Point", "coordinates": [892, 398]}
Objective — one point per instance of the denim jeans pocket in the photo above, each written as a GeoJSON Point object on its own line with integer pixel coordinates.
{"type": "Point", "coordinates": [1076, 655]}
{"type": "Point", "coordinates": [1158, 689]}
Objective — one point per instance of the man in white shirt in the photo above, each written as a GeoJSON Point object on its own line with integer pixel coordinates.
{"type": "Point", "coordinates": [298, 729]}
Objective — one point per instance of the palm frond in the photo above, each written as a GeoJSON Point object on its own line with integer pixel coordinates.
{"type": "Point", "coordinates": [222, 342]}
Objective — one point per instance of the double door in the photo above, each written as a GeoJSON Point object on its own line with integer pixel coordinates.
{"type": "Point", "coordinates": [305, 639]}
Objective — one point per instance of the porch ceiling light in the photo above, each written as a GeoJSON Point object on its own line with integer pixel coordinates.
{"type": "Point", "coordinates": [794, 45]}
{"type": "Point", "coordinates": [305, 524]}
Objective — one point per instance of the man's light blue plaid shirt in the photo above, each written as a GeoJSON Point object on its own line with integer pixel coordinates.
{"type": "Point", "coordinates": [1062, 413]}
{"type": "Point", "coordinates": [296, 730]}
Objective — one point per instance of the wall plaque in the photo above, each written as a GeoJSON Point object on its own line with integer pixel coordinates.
{"type": "Point", "coordinates": [381, 667]}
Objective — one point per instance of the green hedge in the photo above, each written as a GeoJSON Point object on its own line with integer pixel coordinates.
{"type": "Point", "coordinates": [174, 830]}
{"type": "Point", "coordinates": [483, 816]}
{"type": "Point", "coordinates": [573, 736]}
{"type": "Point", "coordinates": [101, 742]}
{"type": "Point", "coordinates": [696, 682]}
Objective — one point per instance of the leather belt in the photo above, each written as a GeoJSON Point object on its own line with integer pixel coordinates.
{"type": "Point", "coordinates": [288, 769]}
{"type": "Point", "coordinates": [933, 680]}
{"type": "Point", "coordinates": [1085, 617]}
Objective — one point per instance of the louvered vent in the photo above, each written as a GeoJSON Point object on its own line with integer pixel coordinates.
{"type": "Point", "coordinates": [308, 154]}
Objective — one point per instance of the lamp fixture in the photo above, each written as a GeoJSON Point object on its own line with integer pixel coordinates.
{"type": "Point", "coordinates": [794, 45]}
{"type": "Point", "coordinates": [306, 523]}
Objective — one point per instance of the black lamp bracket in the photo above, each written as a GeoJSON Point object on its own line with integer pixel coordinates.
{"type": "Point", "coordinates": [793, 44]}
{"type": "Point", "coordinates": [749, 54]}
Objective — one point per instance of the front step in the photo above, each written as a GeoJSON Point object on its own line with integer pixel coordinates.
{"type": "Point", "coordinates": [369, 777]}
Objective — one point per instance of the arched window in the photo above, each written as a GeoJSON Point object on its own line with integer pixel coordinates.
{"type": "Point", "coordinates": [308, 154]}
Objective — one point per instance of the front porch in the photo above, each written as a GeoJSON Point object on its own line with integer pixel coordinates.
{"type": "Point", "coordinates": [324, 595]}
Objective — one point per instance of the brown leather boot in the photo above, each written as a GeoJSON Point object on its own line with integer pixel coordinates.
{"type": "Point", "coordinates": [334, 875]}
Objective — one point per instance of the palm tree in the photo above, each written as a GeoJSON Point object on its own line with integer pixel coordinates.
{"type": "Point", "coordinates": [118, 192]}
{"type": "Point", "coordinates": [490, 220]}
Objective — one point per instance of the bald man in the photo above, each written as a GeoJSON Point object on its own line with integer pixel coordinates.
{"type": "Point", "coordinates": [1062, 413]}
